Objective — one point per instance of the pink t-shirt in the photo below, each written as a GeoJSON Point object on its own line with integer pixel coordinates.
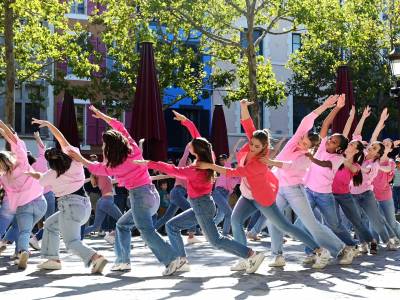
{"type": "Point", "coordinates": [295, 162]}
{"type": "Point", "coordinates": [381, 183]}
{"type": "Point", "coordinates": [341, 182]}
{"type": "Point", "coordinates": [41, 165]}
{"type": "Point", "coordinates": [127, 174]}
{"type": "Point", "coordinates": [20, 188]}
{"type": "Point", "coordinates": [105, 185]}
{"type": "Point", "coordinates": [320, 179]}
{"type": "Point", "coordinates": [67, 183]}
{"type": "Point", "coordinates": [244, 184]}
{"type": "Point", "coordinates": [227, 183]}
{"type": "Point", "coordinates": [197, 182]}
{"type": "Point", "coordinates": [369, 171]}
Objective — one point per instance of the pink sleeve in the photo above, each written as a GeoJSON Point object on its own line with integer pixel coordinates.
{"type": "Point", "coordinates": [337, 162]}
{"type": "Point", "coordinates": [237, 172]}
{"type": "Point", "coordinates": [118, 126]}
{"type": "Point", "coordinates": [322, 147]}
{"type": "Point", "coordinates": [19, 150]}
{"type": "Point", "coordinates": [192, 128]}
{"type": "Point", "coordinates": [179, 172]}
{"type": "Point", "coordinates": [183, 160]}
{"type": "Point", "coordinates": [41, 163]}
{"type": "Point", "coordinates": [305, 125]}
{"type": "Point", "coordinates": [97, 168]}
{"type": "Point", "coordinates": [248, 127]}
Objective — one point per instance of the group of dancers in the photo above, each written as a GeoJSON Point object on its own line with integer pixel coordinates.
{"type": "Point", "coordinates": [316, 175]}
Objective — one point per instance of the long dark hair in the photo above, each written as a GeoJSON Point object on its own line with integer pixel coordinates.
{"type": "Point", "coordinates": [263, 136]}
{"type": "Point", "coordinates": [58, 160]}
{"type": "Point", "coordinates": [203, 149]}
{"type": "Point", "coordinates": [359, 159]}
{"type": "Point", "coordinates": [116, 148]}
{"type": "Point", "coordinates": [381, 150]}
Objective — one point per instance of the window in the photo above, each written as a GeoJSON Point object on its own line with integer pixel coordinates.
{"type": "Point", "coordinates": [28, 105]}
{"type": "Point", "coordinates": [256, 34]}
{"type": "Point", "coordinates": [78, 7]}
{"type": "Point", "coordinates": [81, 119]}
{"type": "Point", "coordinates": [296, 41]}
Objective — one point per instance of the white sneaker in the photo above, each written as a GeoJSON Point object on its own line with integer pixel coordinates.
{"type": "Point", "coordinates": [98, 265]}
{"type": "Point", "coordinates": [110, 238]}
{"type": "Point", "coordinates": [50, 265]}
{"type": "Point", "coordinates": [23, 260]}
{"type": "Point", "coordinates": [34, 243]}
{"type": "Point", "coordinates": [310, 259]}
{"type": "Point", "coordinates": [3, 246]}
{"type": "Point", "coordinates": [254, 262]}
{"type": "Point", "coordinates": [364, 248]}
{"type": "Point", "coordinates": [101, 233]}
{"type": "Point", "coordinates": [391, 246]}
{"type": "Point", "coordinates": [347, 256]}
{"type": "Point", "coordinates": [396, 241]}
{"type": "Point", "coordinates": [122, 267]}
{"type": "Point", "coordinates": [321, 259]}
{"type": "Point", "coordinates": [172, 267]}
{"type": "Point", "coordinates": [184, 266]}
{"type": "Point", "coordinates": [193, 240]}
{"type": "Point", "coordinates": [241, 265]}
{"type": "Point", "coordinates": [279, 262]}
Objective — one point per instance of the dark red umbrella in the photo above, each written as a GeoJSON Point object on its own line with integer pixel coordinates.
{"type": "Point", "coordinates": [67, 123]}
{"type": "Point", "coordinates": [148, 118]}
{"type": "Point", "coordinates": [219, 133]}
{"type": "Point", "coordinates": [344, 85]}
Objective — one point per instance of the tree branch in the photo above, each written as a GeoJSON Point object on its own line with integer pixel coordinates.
{"type": "Point", "coordinates": [235, 6]}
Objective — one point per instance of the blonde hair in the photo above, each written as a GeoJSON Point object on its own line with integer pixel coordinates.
{"type": "Point", "coordinates": [7, 161]}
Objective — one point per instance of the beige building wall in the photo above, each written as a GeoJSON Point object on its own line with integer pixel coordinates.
{"type": "Point", "coordinates": [276, 48]}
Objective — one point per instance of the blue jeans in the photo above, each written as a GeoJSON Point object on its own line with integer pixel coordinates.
{"type": "Point", "coordinates": [6, 217]}
{"type": "Point", "coordinates": [327, 206]}
{"type": "Point", "coordinates": [73, 212]}
{"type": "Point", "coordinates": [221, 197]}
{"type": "Point", "coordinates": [368, 204]}
{"type": "Point", "coordinates": [105, 206]}
{"type": "Point", "coordinates": [202, 212]}
{"type": "Point", "coordinates": [396, 198]}
{"type": "Point", "coordinates": [177, 201]}
{"type": "Point", "coordinates": [261, 223]}
{"type": "Point", "coordinates": [27, 216]}
{"type": "Point", "coordinates": [51, 208]}
{"type": "Point", "coordinates": [145, 202]}
{"type": "Point", "coordinates": [295, 197]}
{"type": "Point", "coordinates": [352, 211]}
{"type": "Point", "coordinates": [245, 207]}
{"type": "Point", "coordinates": [387, 210]}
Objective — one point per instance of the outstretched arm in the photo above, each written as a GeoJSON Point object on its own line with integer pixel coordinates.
{"type": "Point", "coordinates": [54, 130]}
{"type": "Point", "coordinates": [99, 115]}
{"type": "Point", "coordinates": [321, 163]}
{"type": "Point", "coordinates": [38, 140]}
{"type": "Point", "coordinates": [380, 125]}
{"type": "Point", "coordinates": [234, 149]}
{"type": "Point", "coordinates": [347, 127]}
{"type": "Point", "coordinates": [329, 119]}
{"type": "Point", "coordinates": [360, 125]}
{"type": "Point", "coordinates": [6, 132]}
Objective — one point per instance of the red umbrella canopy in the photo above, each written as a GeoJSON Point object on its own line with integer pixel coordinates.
{"type": "Point", "coordinates": [67, 124]}
{"type": "Point", "coordinates": [219, 133]}
{"type": "Point", "coordinates": [344, 86]}
{"type": "Point", "coordinates": [148, 118]}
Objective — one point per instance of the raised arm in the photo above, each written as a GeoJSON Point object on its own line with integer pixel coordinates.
{"type": "Point", "coordinates": [188, 124]}
{"type": "Point", "coordinates": [234, 149]}
{"type": "Point", "coordinates": [347, 127]}
{"type": "Point", "coordinates": [99, 115]}
{"type": "Point", "coordinates": [246, 120]}
{"type": "Point", "coordinates": [329, 119]}
{"type": "Point", "coordinates": [38, 140]}
{"type": "Point", "coordinates": [54, 130]}
{"type": "Point", "coordinates": [6, 132]}
{"type": "Point", "coordinates": [380, 125]}
{"type": "Point", "coordinates": [182, 162]}
{"type": "Point", "coordinates": [360, 125]}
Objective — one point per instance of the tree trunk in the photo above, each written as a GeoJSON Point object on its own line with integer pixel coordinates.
{"type": "Point", "coordinates": [252, 68]}
{"type": "Point", "coordinates": [10, 61]}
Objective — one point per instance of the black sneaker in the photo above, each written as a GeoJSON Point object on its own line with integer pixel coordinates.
{"type": "Point", "coordinates": [373, 249]}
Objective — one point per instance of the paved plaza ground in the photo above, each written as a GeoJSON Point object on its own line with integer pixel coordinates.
{"type": "Point", "coordinates": [210, 278]}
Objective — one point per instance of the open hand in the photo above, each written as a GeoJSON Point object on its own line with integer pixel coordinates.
{"type": "Point", "coordinates": [41, 123]}
{"type": "Point", "coordinates": [331, 101]}
{"type": "Point", "coordinates": [178, 116]}
{"type": "Point", "coordinates": [245, 102]}
{"type": "Point", "coordinates": [96, 113]}
{"type": "Point", "coordinates": [341, 102]}
{"type": "Point", "coordinates": [366, 112]}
